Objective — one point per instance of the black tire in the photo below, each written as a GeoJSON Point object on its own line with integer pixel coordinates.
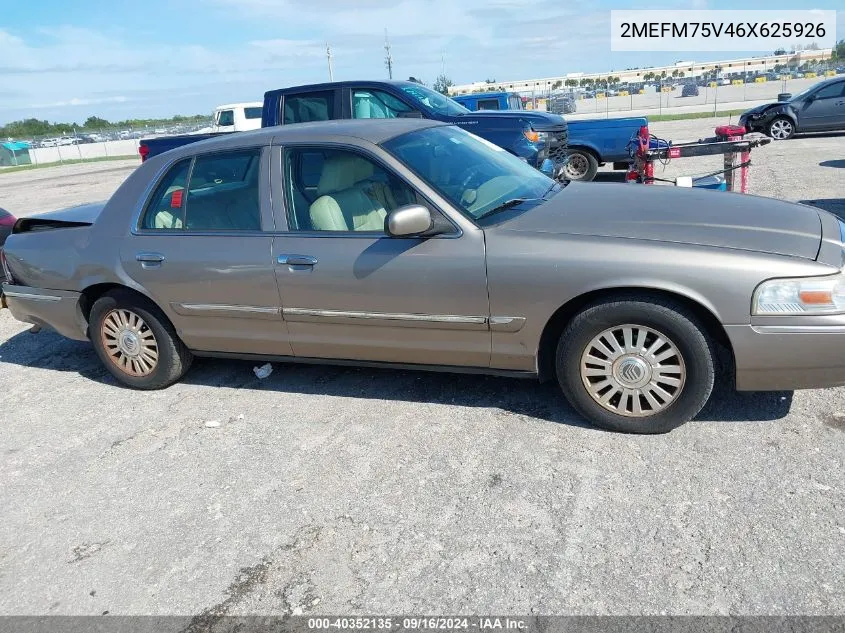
{"type": "Point", "coordinates": [172, 357]}
{"type": "Point", "coordinates": [781, 128]}
{"type": "Point", "coordinates": [581, 165]}
{"type": "Point", "coordinates": [673, 322]}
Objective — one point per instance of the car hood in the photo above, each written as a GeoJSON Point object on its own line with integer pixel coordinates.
{"type": "Point", "coordinates": [670, 214]}
{"type": "Point", "coordinates": [539, 121]}
{"type": "Point", "coordinates": [760, 109]}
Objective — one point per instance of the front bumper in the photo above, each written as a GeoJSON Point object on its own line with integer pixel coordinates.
{"type": "Point", "coordinates": [783, 358]}
{"type": "Point", "coordinates": [55, 309]}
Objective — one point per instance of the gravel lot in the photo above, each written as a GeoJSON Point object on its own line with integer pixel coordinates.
{"type": "Point", "coordinates": [337, 490]}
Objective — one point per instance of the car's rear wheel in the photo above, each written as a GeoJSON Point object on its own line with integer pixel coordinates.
{"type": "Point", "coordinates": [781, 128]}
{"type": "Point", "coordinates": [136, 342]}
{"type": "Point", "coordinates": [636, 365]}
{"type": "Point", "coordinates": [580, 165]}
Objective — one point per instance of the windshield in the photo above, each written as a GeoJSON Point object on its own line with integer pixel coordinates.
{"type": "Point", "coordinates": [473, 174]}
{"type": "Point", "coordinates": [435, 101]}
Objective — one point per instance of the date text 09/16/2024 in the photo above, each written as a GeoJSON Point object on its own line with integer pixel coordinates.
{"type": "Point", "coordinates": [416, 623]}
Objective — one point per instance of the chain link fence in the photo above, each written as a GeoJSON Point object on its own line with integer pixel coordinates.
{"type": "Point", "coordinates": [677, 95]}
{"type": "Point", "coordinates": [76, 145]}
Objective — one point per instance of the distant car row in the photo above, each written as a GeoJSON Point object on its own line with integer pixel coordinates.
{"type": "Point", "coordinates": [102, 137]}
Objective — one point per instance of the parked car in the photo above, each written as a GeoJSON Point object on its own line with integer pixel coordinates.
{"type": "Point", "coordinates": [561, 103]}
{"type": "Point", "coordinates": [7, 221]}
{"type": "Point", "coordinates": [819, 108]}
{"type": "Point", "coordinates": [454, 255]}
{"type": "Point", "coordinates": [689, 90]}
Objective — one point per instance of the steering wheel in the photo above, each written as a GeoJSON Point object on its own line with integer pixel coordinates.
{"type": "Point", "coordinates": [468, 175]}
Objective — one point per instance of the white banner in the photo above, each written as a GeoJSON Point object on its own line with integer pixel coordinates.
{"type": "Point", "coordinates": [704, 30]}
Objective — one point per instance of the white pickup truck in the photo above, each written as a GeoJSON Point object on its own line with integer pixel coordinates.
{"type": "Point", "coordinates": [237, 117]}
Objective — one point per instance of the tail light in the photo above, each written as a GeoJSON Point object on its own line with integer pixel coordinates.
{"type": "Point", "coordinates": [144, 151]}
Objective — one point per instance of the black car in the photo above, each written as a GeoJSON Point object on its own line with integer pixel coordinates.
{"type": "Point", "coordinates": [689, 90]}
{"type": "Point", "coordinates": [820, 108]}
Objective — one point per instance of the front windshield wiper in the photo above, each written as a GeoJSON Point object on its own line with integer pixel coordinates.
{"type": "Point", "coordinates": [507, 204]}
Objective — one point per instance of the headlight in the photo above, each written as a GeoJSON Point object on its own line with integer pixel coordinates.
{"type": "Point", "coordinates": [805, 295]}
{"type": "Point", "coordinates": [535, 137]}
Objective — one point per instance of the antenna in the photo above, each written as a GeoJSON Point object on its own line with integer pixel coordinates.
{"type": "Point", "coordinates": [329, 58]}
{"type": "Point", "coordinates": [388, 58]}
{"type": "Point", "coordinates": [443, 62]}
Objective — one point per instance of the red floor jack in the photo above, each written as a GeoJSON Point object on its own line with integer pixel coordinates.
{"type": "Point", "coordinates": [730, 141]}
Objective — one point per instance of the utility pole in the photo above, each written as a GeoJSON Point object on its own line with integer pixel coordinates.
{"type": "Point", "coordinates": [443, 63]}
{"type": "Point", "coordinates": [388, 58]}
{"type": "Point", "coordinates": [329, 58]}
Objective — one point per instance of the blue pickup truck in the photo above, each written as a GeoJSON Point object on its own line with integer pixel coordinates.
{"type": "Point", "coordinates": [539, 138]}
{"type": "Point", "coordinates": [592, 142]}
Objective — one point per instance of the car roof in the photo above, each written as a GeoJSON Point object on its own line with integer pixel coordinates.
{"type": "Point", "coordinates": [332, 85]}
{"type": "Point", "coordinates": [242, 104]}
{"type": "Point", "coordinates": [375, 131]}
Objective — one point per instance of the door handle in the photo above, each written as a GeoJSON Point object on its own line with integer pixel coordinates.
{"type": "Point", "coordinates": [149, 260]}
{"type": "Point", "coordinates": [297, 260]}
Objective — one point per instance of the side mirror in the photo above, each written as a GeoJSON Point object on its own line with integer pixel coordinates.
{"type": "Point", "coordinates": [407, 221]}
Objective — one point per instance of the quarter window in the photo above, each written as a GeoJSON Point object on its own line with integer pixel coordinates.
{"type": "Point", "coordinates": [252, 113]}
{"type": "Point", "coordinates": [339, 190]}
{"type": "Point", "coordinates": [166, 207]}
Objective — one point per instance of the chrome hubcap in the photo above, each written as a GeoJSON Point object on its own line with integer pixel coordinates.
{"type": "Point", "coordinates": [576, 166]}
{"type": "Point", "coordinates": [781, 129]}
{"type": "Point", "coordinates": [633, 370]}
{"type": "Point", "coordinates": [129, 342]}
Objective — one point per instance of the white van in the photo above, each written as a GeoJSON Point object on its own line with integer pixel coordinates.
{"type": "Point", "coordinates": [237, 117]}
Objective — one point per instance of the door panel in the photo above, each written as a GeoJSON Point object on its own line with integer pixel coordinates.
{"type": "Point", "coordinates": [200, 253]}
{"type": "Point", "coordinates": [219, 291]}
{"type": "Point", "coordinates": [421, 301]}
{"type": "Point", "coordinates": [826, 111]}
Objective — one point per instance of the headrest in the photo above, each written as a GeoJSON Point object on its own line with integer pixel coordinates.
{"type": "Point", "coordinates": [342, 172]}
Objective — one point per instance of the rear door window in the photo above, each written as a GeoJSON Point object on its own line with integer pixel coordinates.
{"type": "Point", "coordinates": [514, 103]}
{"type": "Point", "coordinates": [310, 106]}
{"type": "Point", "coordinates": [223, 193]}
{"type": "Point", "coordinates": [488, 104]}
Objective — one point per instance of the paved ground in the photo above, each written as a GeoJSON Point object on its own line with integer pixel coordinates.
{"type": "Point", "coordinates": [335, 490]}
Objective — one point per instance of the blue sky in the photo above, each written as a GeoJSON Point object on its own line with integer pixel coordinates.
{"type": "Point", "coordinates": [69, 59]}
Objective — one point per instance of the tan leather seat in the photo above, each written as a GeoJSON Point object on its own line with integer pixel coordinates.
{"type": "Point", "coordinates": [348, 199]}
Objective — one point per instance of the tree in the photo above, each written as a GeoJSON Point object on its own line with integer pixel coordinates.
{"type": "Point", "coordinates": [780, 51]}
{"type": "Point", "coordinates": [648, 76]}
{"type": "Point", "coordinates": [682, 74]}
{"type": "Point", "coordinates": [442, 84]}
{"type": "Point", "coordinates": [558, 84]}
{"type": "Point", "coordinates": [838, 51]}
{"type": "Point", "coordinates": [675, 72]}
{"type": "Point", "coordinates": [96, 123]}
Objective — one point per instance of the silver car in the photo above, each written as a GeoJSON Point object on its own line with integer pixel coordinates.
{"type": "Point", "coordinates": [414, 244]}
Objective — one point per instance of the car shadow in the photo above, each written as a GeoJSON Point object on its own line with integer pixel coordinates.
{"type": "Point", "coordinates": [512, 396]}
{"type": "Point", "coordinates": [836, 206]}
{"type": "Point", "coordinates": [840, 163]}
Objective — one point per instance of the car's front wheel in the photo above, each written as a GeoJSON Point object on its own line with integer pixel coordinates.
{"type": "Point", "coordinates": [636, 365]}
{"type": "Point", "coordinates": [136, 342]}
{"type": "Point", "coordinates": [781, 128]}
